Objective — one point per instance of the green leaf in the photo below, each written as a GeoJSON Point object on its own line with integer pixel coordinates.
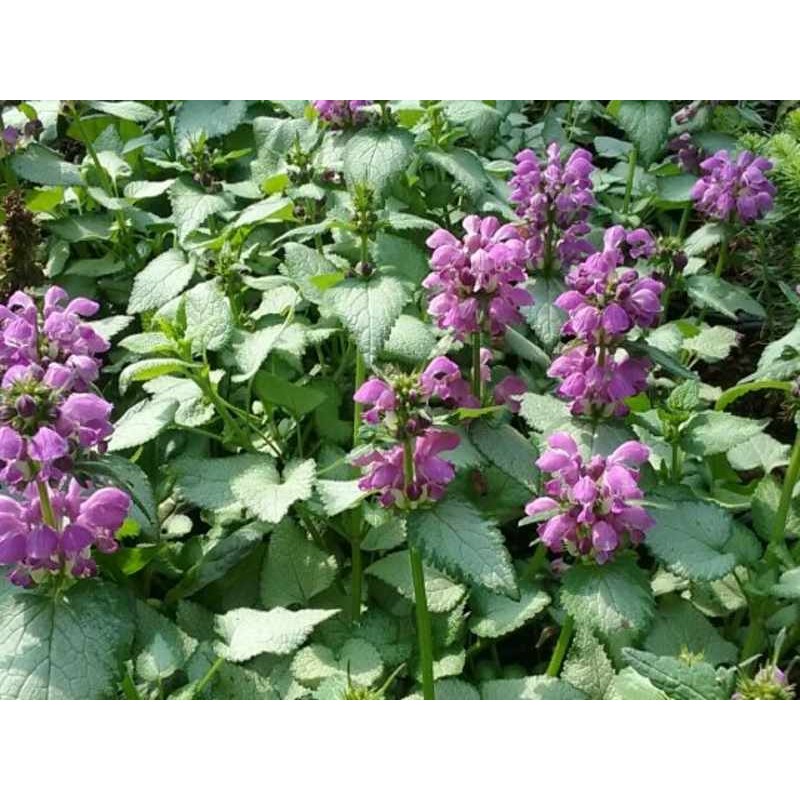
{"type": "Point", "coordinates": [209, 320]}
{"type": "Point", "coordinates": [149, 368]}
{"type": "Point", "coordinates": [713, 343]}
{"type": "Point", "coordinates": [480, 120]}
{"type": "Point", "coordinates": [544, 316]}
{"type": "Point", "coordinates": [141, 423]}
{"type": "Point", "coordinates": [454, 538]}
{"type": "Point", "coordinates": [788, 587]}
{"type": "Point", "coordinates": [39, 164]}
{"type": "Point", "coordinates": [647, 124]}
{"type": "Point", "coordinates": [218, 558]}
{"type": "Point", "coordinates": [212, 117]}
{"type": "Point", "coordinates": [679, 680]}
{"type": "Point", "coordinates": [395, 570]}
{"type": "Point", "coordinates": [630, 685]}
{"type": "Point", "coordinates": [495, 615]}
{"type": "Point", "coordinates": [376, 157]}
{"type": "Point", "coordinates": [535, 687]}
{"type": "Point", "coordinates": [609, 147]}
{"type": "Point", "coordinates": [675, 190]}
{"type": "Point", "coordinates": [691, 539]}
{"type": "Point", "coordinates": [759, 452]}
{"type": "Point", "coordinates": [608, 597]}
{"type": "Point", "coordinates": [709, 291]}
{"type": "Point", "coordinates": [711, 432]}
{"type": "Point", "coordinates": [162, 279]}
{"type": "Point", "coordinates": [247, 632]}
{"type": "Point", "coordinates": [194, 408]}
{"type": "Point", "coordinates": [464, 166]}
{"type": "Point", "coordinates": [704, 238]}
{"type": "Point", "coordinates": [95, 267]}
{"type": "Point", "coordinates": [124, 474]}
{"type": "Point", "coordinates": [161, 648]}
{"type": "Point", "coordinates": [295, 569]}
{"type": "Point", "coordinates": [410, 341]}
{"type": "Point", "coordinates": [369, 310]}
{"type": "Point", "coordinates": [450, 689]}
{"type": "Point", "coordinates": [192, 206]}
{"type": "Point", "coordinates": [271, 209]}
{"type": "Point", "coordinates": [260, 490]}
{"type": "Point", "coordinates": [302, 264]}
{"type": "Point", "coordinates": [145, 190]}
{"type": "Point", "coordinates": [679, 629]}
{"type": "Point", "coordinates": [299, 400]}
{"type": "Point", "coordinates": [338, 496]}
{"type": "Point", "coordinates": [250, 350]}
{"type": "Point", "coordinates": [206, 482]}
{"type": "Point", "coordinates": [735, 392]}
{"type": "Point", "coordinates": [780, 359]}
{"type": "Point", "coordinates": [508, 450]}
{"type": "Point", "coordinates": [67, 648]}
{"type": "Point", "coordinates": [357, 661]}
{"type": "Point", "coordinates": [401, 257]}
{"type": "Point", "coordinates": [130, 110]}
{"type": "Point", "coordinates": [588, 667]}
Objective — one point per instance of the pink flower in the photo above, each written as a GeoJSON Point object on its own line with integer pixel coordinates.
{"type": "Point", "coordinates": [591, 506]}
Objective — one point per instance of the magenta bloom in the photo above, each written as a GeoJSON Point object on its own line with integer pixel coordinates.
{"type": "Point", "coordinates": [380, 396]}
{"type": "Point", "coordinates": [385, 471]}
{"type": "Point", "coordinates": [83, 519]}
{"type": "Point", "coordinates": [555, 199]}
{"type": "Point", "coordinates": [442, 379]}
{"type": "Point", "coordinates": [475, 282]}
{"type": "Point", "coordinates": [729, 189]}
{"type": "Point", "coordinates": [342, 113]}
{"type": "Point", "coordinates": [590, 507]}
{"type": "Point", "coordinates": [596, 387]}
{"type": "Point", "coordinates": [603, 302]}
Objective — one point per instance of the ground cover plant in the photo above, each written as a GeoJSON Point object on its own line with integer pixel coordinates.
{"type": "Point", "coordinates": [353, 399]}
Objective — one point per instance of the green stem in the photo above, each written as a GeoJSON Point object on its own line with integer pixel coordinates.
{"type": "Point", "coordinates": [629, 182]}
{"type": "Point", "coordinates": [752, 642]}
{"type": "Point", "coordinates": [778, 532]}
{"type": "Point", "coordinates": [554, 667]}
{"type": "Point", "coordinates": [359, 379]}
{"type": "Point", "coordinates": [204, 681]}
{"type": "Point", "coordinates": [722, 259]}
{"type": "Point", "coordinates": [424, 636]}
{"type": "Point", "coordinates": [477, 384]}
{"type": "Point", "coordinates": [684, 223]}
{"type": "Point", "coordinates": [537, 561]}
{"type": "Point", "coordinates": [356, 579]}
{"type": "Point", "coordinates": [173, 150]}
{"type": "Point", "coordinates": [47, 509]}
{"type": "Point", "coordinates": [104, 178]}
{"type": "Point", "coordinates": [675, 472]}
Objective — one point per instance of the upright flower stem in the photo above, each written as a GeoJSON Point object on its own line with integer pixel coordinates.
{"type": "Point", "coordinates": [629, 183]}
{"type": "Point", "coordinates": [356, 579]}
{"type": "Point", "coordinates": [359, 379]}
{"type": "Point", "coordinates": [557, 659]}
{"type": "Point", "coordinates": [424, 635]}
{"type": "Point", "coordinates": [778, 532]}
{"type": "Point", "coordinates": [477, 388]}
{"type": "Point", "coordinates": [722, 259]}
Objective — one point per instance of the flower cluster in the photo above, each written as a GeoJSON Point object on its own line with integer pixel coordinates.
{"type": "Point", "coordinates": [50, 418]}
{"type": "Point", "coordinates": [686, 153]}
{"type": "Point", "coordinates": [606, 299]}
{"type": "Point", "coordinates": [555, 200]}
{"type": "Point", "coordinates": [590, 506]}
{"type": "Point", "coordinates": [12, 137]}
{"type": "Point", "coordinates": [729, 189]}
{"type": "Point", "coordinates": [769, 683]}
{"type": "Point", "coordinates": [342, 113]}
{"type": "Point", "coordinates": [475, 281]}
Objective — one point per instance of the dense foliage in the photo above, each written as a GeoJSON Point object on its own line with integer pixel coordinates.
{"type": "Point", "coordinates": [399, 399]}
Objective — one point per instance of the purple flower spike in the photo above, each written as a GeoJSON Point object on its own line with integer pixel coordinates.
{"type": "Point", "coordinates": [591, 506]}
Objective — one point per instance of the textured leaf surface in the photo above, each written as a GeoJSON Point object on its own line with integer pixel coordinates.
{"type": "Point", "coordinates": [162, 279]}
{"type": "Point", "coordinates": [248, 632]}
{"type": "Point", "coordinates": [209, 320]}
{"type": "Point", "coordinates": [453, 537]}
{"type": "Point", "coordinates": [608, 597]}
{"type": "Point", "coordinates": [259, 487]}
{"type": "Point", "coordinates": [68, 649]}
{"type": "Point", "coordinates": [536, 687]}
{"type": "Point", "coordinates": [375, 157]}
{"type": "Point", "coordinates": [588, 667]}
{"type": "Point", "coordinates": [679, 680]}
{"type": "Point", "coordinates": [496, 615]}
{"type": "Point", "coordinates": [647, 124]}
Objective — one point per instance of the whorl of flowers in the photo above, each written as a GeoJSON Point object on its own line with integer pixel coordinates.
{"type": "Point", "coordinates": [12, 137]}
{"type": "Point", "coordinates": [605, 300]}
{"type": "Point", "coordinates": [475, 281]}
{"type": "Point", "coordinates": [728, 190]}
{"type": "Point", "coordinates": [591, 506]}
{"type": "Point", "coordinates": [49, 419]}
{"type": "Point", "coordinates": [769, 683]}
{"type": "Point", "coordinates": [555, 200]}
{"type": "Point", "coordinates": [402, 409]}
{"type": "Point", "coordinates": [686, 153]}
{"type": "Point", "coordinates": [342, 113]}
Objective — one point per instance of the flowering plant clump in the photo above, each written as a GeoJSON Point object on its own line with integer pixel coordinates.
{"type": "Point", "coordinates": [731, 189]}
{"type": "Point", "coordinates": [606, 299]}
{"type": "Point", "coordinates": [50, 420]}
{"type": "Point", "coordinates": [555, 200]}
{"type": "Point", "coordinates": [475, 281]}
{"type": "Point", "coordinates": [589, 504]}
{"type": "Point", "coordinates": [350, 399]}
